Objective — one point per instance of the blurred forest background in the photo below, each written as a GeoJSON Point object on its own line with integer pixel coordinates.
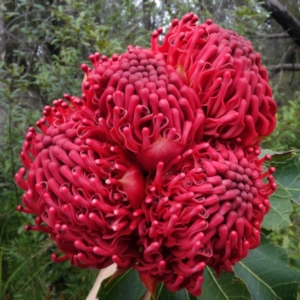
{"type": "Point", "coordinates": [43, 43]}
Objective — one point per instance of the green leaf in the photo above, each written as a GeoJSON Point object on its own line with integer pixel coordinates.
{"type": "Point", "coordinates": [127, 286]}
{"type": "Point", "coordinates": [287, 177]}
{"type": "Point", "coordinates": [12, 14]}
{"type": "Point", "coordinates": [227, 287]}
{"type": "Point", "coordinates": [288, 172]}
{"type": "Point", "coordinates": [294, 260]}
{"type": "Point", "coordinates": [163, 294]}
{"type": "Point", "coordinates": [267, 274]}
{"type": "Point", "coordinates": [1, 250]}
{"type": "Point", "coordinates": [281, 207]}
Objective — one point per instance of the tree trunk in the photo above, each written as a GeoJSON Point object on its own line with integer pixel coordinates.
{"type": "Point", "coordinates": [146, 15]}
{"type": "Point", "coordinates": [2, 57]}
{"type": "Point", "coordinates": [284, 67]}
{"type": "Point", "coordinates": [284, 18]}
{"type": "Point", "coordinates": [2, 31]}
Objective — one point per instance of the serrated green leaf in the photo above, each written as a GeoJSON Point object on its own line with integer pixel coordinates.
{"type": "Point", "coordinates": [281, 207]}
{"type": "Point", "coordinates": [287, 176]}
{"type": "Point", "coordinates": [288, 172]}
{"type": "Point", "coordinates": [127, 286]}
{"type": "Point", "coordinates": [267, 274]}
{"type": "Point", "coordinates": [227, 287]}
{"type": "Point", "coordinates": [163, 294]}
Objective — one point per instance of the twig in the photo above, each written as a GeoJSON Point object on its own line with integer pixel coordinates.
{"type": "Point", "coordinates": [284, 67]}
{"type": "Point", "coordinates": [282, 35]}
{"type": "Point", "coordinates": [20, 16]}
{"type": "Point", "coordinates": [102, 275]}
{"type": "Point", "coordinates": [10, 133]}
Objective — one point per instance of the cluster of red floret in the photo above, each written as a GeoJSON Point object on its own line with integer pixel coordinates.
{"type": "Point", "coordinates": [156, 166]}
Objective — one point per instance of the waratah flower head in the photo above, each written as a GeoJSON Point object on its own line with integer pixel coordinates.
{"type": "Point", "coordinates": [156, 166]}
{"type": "Point", "coordinates": [203, 208]}
{"type": "Point", "coordinates": [82, 189]}
{"type": "Point", "coordinates": [143, 105]}
{"type": "Point", "coordinates": [227, 75]}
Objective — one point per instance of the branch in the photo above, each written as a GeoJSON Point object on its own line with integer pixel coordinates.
{"type": "Point", "coordinates": [285, 19]}
{"type": "Point", "coordinates": [282, 35]}
{"type": "Point", "coordinates": [2, 32]}
{"type": "Point", "coordinates": [283, 67]}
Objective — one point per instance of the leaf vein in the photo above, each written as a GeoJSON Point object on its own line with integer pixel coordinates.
{"type": "Point", "coordinates": [217, 284]}
{"type": "Point", "coordinates": [259, 279]}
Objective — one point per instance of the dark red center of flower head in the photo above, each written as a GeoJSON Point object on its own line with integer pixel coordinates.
{"type": "Point", "coordinates": [156, 165]}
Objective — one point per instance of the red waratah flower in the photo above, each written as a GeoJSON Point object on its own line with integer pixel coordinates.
{"type": "Point", "coordinates": [227, 75]}
{"type": "Point", "coordinates": [82, 189]}
{"type": "Point", "coordinates": [156, 166]}
{"type": "Point", "coordinates": [142, 105]}
{"type": "Point", "coordinates": [203, 208]}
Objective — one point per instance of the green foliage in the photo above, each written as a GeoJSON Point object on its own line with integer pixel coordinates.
{"type": "Point", "coordinates": [163, 294]}
{"type": "Point", "coordinates": [287, 131]}
{"type": "Point", "coordinates": [287, 176]}
{"type": "Point", "coordinates": [245, 19]}
{"type": "Point", "coordinates": [27, 264]}
{"type": "Point", "coordinates": [288, 173]}
{"type": "Point", "coordinates": [227, 287]}
{"type": "Point", "coordinates": [288, 238]}
{"type": "Point", "coordinates": [25, 258]}
{"type": "Point", "coordinates": [118, 289]}
{"type": "Point", "coordinates": [267, 274]}
{"type": "Point", "coordinates": [279, 215]}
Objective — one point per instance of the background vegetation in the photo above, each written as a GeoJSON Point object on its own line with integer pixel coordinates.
{"type": "Point", "coordinates": [43, 43]}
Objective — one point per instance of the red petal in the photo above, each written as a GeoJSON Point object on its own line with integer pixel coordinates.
{"type": "Point", "coordinates": [133, 184]}
{"type": "Point", "coordinates": [162, 150]}
{"type": "Point", "coordinates": [149, 282]}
